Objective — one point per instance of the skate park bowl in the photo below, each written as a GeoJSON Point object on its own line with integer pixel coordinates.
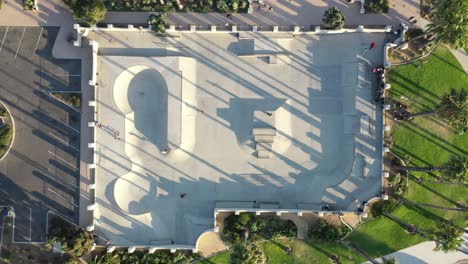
{"type": "Point", "coordinates": [141, 94]}
{"type": "Point", "coordinates": [132, 193]}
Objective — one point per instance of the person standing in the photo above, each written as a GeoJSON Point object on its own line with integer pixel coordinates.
{"type": "Point", "coordinates": [372, 45]}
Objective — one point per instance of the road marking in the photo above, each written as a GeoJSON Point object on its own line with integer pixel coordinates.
{"type": "Point", "coordinates": [57, 176]}
{"type": "Point", "coordinates": [63, 141]}
{"type": "Point", "coordinates": [30, 223]}
{"type": "Point", "coordinates": [67, 75]}
{"type": "Point", "coordinates": [56, 118]}
{"type": "Point", "coordinates": [21, 40]}
{"type": "Point", "coordinates": [68, 163]}
{"type": "Point", "coordinates": [61, 196]}
{"type": "Point", "coordinates": [4, 37]}
{"type": "Point", "coordinates": [1, 235]}
{"type": "Point", "coordinates": [37, 42]}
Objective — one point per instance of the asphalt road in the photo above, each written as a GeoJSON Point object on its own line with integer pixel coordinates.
{"type": "Point", "coordinates": [41, 172]}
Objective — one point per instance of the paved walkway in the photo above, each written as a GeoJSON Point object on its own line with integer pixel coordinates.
{"type": "Point", "coordinates": [423, 254]}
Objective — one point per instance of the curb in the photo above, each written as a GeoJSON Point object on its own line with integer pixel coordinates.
{"type": "Point", "coordinates": [14, 131]}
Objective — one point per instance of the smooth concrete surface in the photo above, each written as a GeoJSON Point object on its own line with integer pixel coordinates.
{"type": "Point", "coordinates": [319, 92]}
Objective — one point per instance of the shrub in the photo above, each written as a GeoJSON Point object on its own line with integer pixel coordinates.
{"type": "Point", "coordinates": [235, 226]}
{"type": "Point", "coordinates": [160, 256]}
{"type": "Point", "coordinates": [380, 6]}
{"type": "Point", "coordinates": [222, 6]}
{"type": "Point", "coordinates": [6, 133]}
{"type": "Point", "coordinates": [333, 19]}
{"type": "Point", "coordinates": [28, 4]}
{"type": "Point", "coordinates": [383, 206]}
{"type": "Point", "coordinates": [327, 232]}
{"type": "Point", "coordinates": [158, 22]}
{"type": "Point", "coordinates": [247, 254]}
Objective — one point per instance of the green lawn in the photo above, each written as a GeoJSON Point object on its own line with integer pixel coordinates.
{"type": "Point", "coordinates": [428, 142]}
{"type": "Point", "coordinates": [275, 253]}
{"type": "Point", "coordinates": [223, 258]}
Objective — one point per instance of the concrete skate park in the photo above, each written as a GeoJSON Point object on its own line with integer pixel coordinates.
{"type": "Point", "coordinates": [198, 121]}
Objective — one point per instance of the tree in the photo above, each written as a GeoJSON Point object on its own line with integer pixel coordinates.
{"type": "Point", "coordinates": [333, 18]}
{"type": "Point", "coordinates": [92, 11]}
{"type": "Point", "coordinates": [453, 107]}
{"type": "Point", "coordinates": [458, 168]}
{"type": "Point", "coordinates": [451, 23]}
{"type": "Point", "coordinates": [247, 254]}
{"type": "Point", "coordinates": [327, 232]}
{"type": "Point", "coordinates": [75, 241]}
{"type": "Point", "coordinates": [448, 237]}
{"type": "Point", "coordinates": [158, 22]}
{"type": "Point", "coordinates": [455, 169]}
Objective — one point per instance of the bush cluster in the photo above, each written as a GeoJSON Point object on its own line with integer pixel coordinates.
{"type": "Point", "coordinates": [92, 11]}
{"type": "Point", "coordinates": [75, 241]}
{"type": "Point", "coordinates": [159, 257]}
{"type": "Point", "coordinates": [222, 6]}
{"type": "Point", "coordinates": [380, 6]}
{"type": "Point", "coordinates": [158, 22]}
{"type": "Point", "coordinates": [268, 227]}
{"type": "Point", "coordinates": [6, 133]}
{"type": "Point", "coordinates": [325, 231]}
{"type": "Point", "coordinates": [333, 19]}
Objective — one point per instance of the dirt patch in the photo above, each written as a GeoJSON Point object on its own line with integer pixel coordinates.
{"type": "Point", "coordinates": [312, 219]}
{"type": "Point", "coordinates": [351, 219]}
{"type": "Point", "coordinates": [210, 243]}
{"type": "Point", "coordinates": [71, 99]}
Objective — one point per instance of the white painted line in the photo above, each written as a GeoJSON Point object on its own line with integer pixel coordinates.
{"type": "Point", "coordinates": [4, 37]}
{"type": "Point", "coordinates": [61, 196]}
{"type": "Point", "coordinates": [56, 118]}
{"type": "Point", "coordinates": [30, 223]}
{"type": "Point", "coordinates": [63, 141]}
{"type": "Point", "coordinates": [68, 163]}
{"type": "Point", "coordinates": [67, 75]}
{"type": "Point", "coordinates": [37, 42]}
{"type": "Point", "coordinates": [1, 235]}
{"type": "Point", "coordinates": [21, 40]}
{"type": "Point", "coordinates": [49, 170]}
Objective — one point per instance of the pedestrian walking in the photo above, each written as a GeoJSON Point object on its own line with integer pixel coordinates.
{"type": "Point", "coordinates": [372, 45]}
{"type": "Point", "coordinates": [365, 50]}
{"type": "Point", "coordinates": [270, 8]}
{"type": "Point", "coordinates": [182, 195]}
{"type": "Point", "coordinates": [414, 21]}
{"type": "Point", "coordinates": [411, 17]}
{"type": "Point", "coordinates": [229, 16]}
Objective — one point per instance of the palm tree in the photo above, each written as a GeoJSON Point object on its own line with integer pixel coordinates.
{"type": "Point", "coordinates": [448, 237]}
{"type": "Point", "coordinates": [451, 23]}
{"type": "Point", "coordinates": [455, 169]}
{"type": "Point", "coordinates": [453, 108]}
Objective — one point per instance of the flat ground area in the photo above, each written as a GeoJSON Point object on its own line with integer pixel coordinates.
{"type": "Point", "coordinates": [203, 98]}
{"type": "Point", "coordinates": [40, 173]}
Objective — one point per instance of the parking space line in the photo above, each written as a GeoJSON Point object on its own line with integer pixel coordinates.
{"type": "Point", "coordinates": [61, 196]}
{"type": "Point", "coordinates": [37, 42]}
{"type": "Point", "coordinates": [68, 163]}
{"type": "Point", "coordinates": [4, 37]}
{"type": "Point", "coordinates": [21, 40]}
{"type": "Point", "coordinates": [30, 223]}
{"type": "Point", "coordinates": [63, 141]}
{"type": "Point", "coordinates": [67, 75]}
{"type": "Point", "coordinates": [51, 172]}
{"type": "Point", "coordinates": [56, 118]}
{"type": "Point", "coordinates": [1, 235]}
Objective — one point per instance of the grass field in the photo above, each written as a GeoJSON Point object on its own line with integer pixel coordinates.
{"type": "Point", "coordinates": [427, 142]}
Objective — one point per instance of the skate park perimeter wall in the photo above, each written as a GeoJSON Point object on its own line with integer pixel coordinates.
{"type": "Point", "coordinates": [82, 32]}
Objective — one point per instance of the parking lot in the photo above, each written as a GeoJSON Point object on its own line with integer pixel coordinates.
{"type": "Point", "coordinates": [41, 171]}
